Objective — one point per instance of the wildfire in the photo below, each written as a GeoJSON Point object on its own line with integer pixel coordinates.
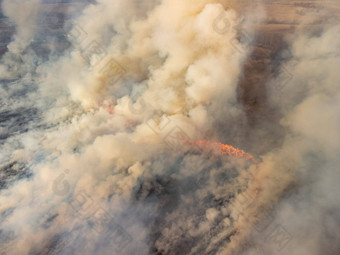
{"type": "Point", "coordinates": [224, 149]}
{"type": "Point", "coordinates": [109, 109]}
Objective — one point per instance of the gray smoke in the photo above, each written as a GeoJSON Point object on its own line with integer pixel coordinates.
{"type": "Point", "coordinates": [104, 165]}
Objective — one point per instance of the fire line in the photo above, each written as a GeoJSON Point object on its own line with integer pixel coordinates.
{"type": "Point", "coordinates": [224, 149]}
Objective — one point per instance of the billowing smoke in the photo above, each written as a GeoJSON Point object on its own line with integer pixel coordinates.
{"type": "Point", "coordinates": [135, 136]}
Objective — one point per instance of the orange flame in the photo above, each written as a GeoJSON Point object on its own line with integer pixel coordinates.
{"type": "Point", "coordinates": [224, 149]}
{"type": "Point", "coordinates": [109, 109]}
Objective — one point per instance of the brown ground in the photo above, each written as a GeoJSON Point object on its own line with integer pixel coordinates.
{"type": "Point", "coordinates": [283, 17]}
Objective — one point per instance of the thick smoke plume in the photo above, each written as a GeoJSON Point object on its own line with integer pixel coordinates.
{"type": "Point", "coordinates": [137, 145]}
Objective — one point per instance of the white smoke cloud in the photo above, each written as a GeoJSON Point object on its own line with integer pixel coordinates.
{"type": "Point", "coordinates": [167, 60]}
{"type": "Point", "coordinates": [112, 171]}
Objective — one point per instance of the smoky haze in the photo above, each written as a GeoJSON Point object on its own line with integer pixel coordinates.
{"type": "Point", "coordinates": [127, 128]}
